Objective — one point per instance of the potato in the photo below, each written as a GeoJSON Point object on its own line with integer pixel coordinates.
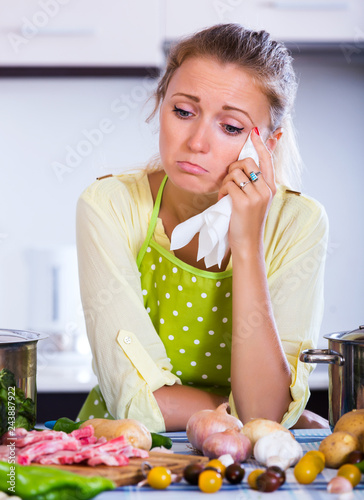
{"type": "Point", "coordinates": [259, 427]}
{"type": "Point", "coordinates": [352, 422]}
{"type": "Point", "coordinates": [134, 432]}
{"type": "Point", "coordinates": [336, 447]}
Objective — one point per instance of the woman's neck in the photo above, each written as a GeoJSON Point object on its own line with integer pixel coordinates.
{"type": "Point", "coordinates": [178, 206]}
{"type": "Point", "coordinates": [182, 204]}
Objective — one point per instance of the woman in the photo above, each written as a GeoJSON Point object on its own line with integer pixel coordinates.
{"type": "Point", "coordinates": [168, 336]}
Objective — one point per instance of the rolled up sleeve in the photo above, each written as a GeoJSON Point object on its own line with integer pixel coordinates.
{"type": "Point", "coordinates": [129, 359]}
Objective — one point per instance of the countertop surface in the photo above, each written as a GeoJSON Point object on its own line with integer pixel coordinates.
{"type": "Point", "coordinates": [309, 439]}
{"type": "Point", "coordinates": [72, 372]}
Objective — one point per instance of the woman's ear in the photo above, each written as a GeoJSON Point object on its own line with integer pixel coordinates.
{"type": "Point", "coordinates": [273, 139]}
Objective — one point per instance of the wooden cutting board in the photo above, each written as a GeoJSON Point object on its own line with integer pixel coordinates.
{"type": "Point", "coordinates": [132, 473]}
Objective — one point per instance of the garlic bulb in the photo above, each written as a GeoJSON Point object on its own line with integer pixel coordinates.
{"type": "Point", "coordinates": [278, 448]}
{"type": "Point", "coordinates": [206, 422]}
{"type": "Point", "coordinates": [230, 441]}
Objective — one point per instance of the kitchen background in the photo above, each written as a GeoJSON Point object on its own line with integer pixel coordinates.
{"type": "Point", "coordinates": [75, 79]}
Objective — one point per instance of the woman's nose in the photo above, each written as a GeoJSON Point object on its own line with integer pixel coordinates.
{"type": "Point", "coordinates": [198, 141]}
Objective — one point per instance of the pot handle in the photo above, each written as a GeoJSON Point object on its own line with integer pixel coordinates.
{"type": "Point", "coordinates": [322, 356]}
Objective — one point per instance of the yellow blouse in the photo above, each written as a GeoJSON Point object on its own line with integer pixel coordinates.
{"type": "Point", "coordinates": [129, 359]}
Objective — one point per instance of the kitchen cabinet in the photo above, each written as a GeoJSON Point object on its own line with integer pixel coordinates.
{"type": "Point", "coordinates": [80, 34]}
{"type": "Point", "coordinates": [307, 21]}
{"type": "Point", "coordinates": [126, 37]}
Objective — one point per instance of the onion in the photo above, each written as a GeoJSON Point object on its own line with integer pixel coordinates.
{"type": "Point", "coordinates": [230, 441]}
{"type": "Point", "coordinates": [206, 422]}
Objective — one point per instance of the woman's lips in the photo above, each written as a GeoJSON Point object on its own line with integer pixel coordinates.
{"type": "Point", "coordinates": [191, 168]}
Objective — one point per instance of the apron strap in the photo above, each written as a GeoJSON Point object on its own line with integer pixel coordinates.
{"type": "Point", "coordinates": [153, 221]}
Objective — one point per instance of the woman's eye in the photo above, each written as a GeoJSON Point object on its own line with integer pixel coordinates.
{"type": "Point", "coordinates": [231, 130]}
{"type": "Point", "coordinates": [181, 113]}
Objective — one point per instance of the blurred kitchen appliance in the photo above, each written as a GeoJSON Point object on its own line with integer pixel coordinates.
{"type": "Point", "coordinates": [54, 300]}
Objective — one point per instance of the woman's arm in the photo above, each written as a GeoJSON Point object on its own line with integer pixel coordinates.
{"type": "Point", "coordinates": [178, 402]}
{"type": "Point", "coordinates": [263, 374]}
{"type": "Point", "coordinates": [295, 248]}
{"type": "Point", "coordinates": [260, 374]}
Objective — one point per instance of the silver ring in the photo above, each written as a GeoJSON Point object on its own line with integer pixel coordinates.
{"type": "Point", "coordinates": [254, 176]}
{"type": "Point", "coordinates": [243, 184]}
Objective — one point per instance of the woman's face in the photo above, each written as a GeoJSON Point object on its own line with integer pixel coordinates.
{"type": "Point", "coordinates": [206, 116]}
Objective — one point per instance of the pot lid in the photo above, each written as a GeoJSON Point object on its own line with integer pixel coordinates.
{"type": "Point", "coordinates": [351, 336]}
{"type": "Point", "coordinates": [16, 336]}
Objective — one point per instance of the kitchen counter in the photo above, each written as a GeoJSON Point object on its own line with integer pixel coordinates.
{"type": "Point", "coordinates": [309, 439]}
{"type": "Point", "coordinates": [72, 372]}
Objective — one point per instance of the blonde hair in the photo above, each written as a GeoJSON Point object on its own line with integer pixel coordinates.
{"type": "Point", "coordinates": [268, 62]}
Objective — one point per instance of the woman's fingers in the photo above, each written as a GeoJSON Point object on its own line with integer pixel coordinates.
{"type": "Point", "coordinates": [235, 177]}
{"type": "Point", "coordinates": [240, 173]}
{"type": "Point", "coordinates": [262, 178]}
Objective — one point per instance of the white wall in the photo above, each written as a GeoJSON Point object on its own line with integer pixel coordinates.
{"type": "Point", "coordinates": [41, 118]}
{"type": "Point", "coordinates": [330, 123]}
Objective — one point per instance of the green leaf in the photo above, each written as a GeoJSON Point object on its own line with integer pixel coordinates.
{"type": "Point", "coordinates": [66, 425]}
{"type": "Point", "coordinates": [7, 378]}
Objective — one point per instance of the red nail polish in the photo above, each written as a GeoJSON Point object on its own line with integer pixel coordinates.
{"type": "Point", "coordinates": [256, 130]}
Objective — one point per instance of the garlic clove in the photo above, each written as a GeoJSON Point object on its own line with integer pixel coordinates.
{"type": "Point", "coordinates": [226, 459]}
{"type": "Point", "coordinates": [339, 484]}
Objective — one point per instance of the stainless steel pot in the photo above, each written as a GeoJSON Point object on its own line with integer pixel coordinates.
{"type": "Point", "coordinates": [18, 353]}
{"type": "Point", "coordinates": [345, 356]}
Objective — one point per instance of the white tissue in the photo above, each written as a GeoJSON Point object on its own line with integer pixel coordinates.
{"type": "Point", "coordinates": [213, 223]}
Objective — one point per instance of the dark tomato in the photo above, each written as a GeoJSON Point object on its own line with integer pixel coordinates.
{"type": "Point", "coordinates": [355, 457]}
{"type": "Point", "coordinates": [277, 471]}
{"type": "Point", "coordinates": [209, 467]}
{"type": "Point", "coordinates": [234, 473]}
{"type": "Point", "coordinates": [191, 473]}
{"type": "Point", "coordinates": [268, 482]}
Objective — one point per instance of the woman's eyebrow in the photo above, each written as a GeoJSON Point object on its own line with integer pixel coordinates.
{"type": "Point", "coordinates": [192, 97]}
{"type": "Point", "coordinates": [232, 108]}
{"type": "Point", "coordinates": [225, 107]}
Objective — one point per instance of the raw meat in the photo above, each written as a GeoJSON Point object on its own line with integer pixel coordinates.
{"type": "Point", "coordinates": [58, 448]}
{"type": "Point", "coordinates": [64, 457]}
{"type": "Point", "coordinates": [24, 438]}
{"type": "Point", "coordinates": [34, 452]}
{"type": "Point", "coordinates": [107, 459]}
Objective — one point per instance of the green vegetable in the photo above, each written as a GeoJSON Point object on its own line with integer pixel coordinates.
{"type": "Point", "coordinates": [15, 409]}
{"type": "Point", "coordinates": [66, 425]}
{"type": "Point", "coordinates": [44, 483]}
{"type": "Point", "coordinates": [360, 466]}
{"type": "Point", "coordinates": [160, 440]}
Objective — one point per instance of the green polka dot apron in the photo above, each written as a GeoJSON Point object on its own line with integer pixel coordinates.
{"type": "Point", "coordinates": [191, 310]}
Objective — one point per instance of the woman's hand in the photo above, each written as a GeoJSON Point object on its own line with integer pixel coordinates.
{"type": "Point", "coordinates": [251, 203]}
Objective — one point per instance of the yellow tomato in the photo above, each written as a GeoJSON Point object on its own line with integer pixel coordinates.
{"type": "Point", "coordinates": [217, 465]}
{"type": "Point", "coordinates": [209, 481]}
{"type": "Point", "coordinates": [305, 471]}
{"type": "Point", "coordinates": [159, 478]}
{"type": "Point", "coordinates": [252, 478]}
{"type": "Point", "coordinates": [317, 457]}
{"type": "Point", "coordinates": [351, 473]}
